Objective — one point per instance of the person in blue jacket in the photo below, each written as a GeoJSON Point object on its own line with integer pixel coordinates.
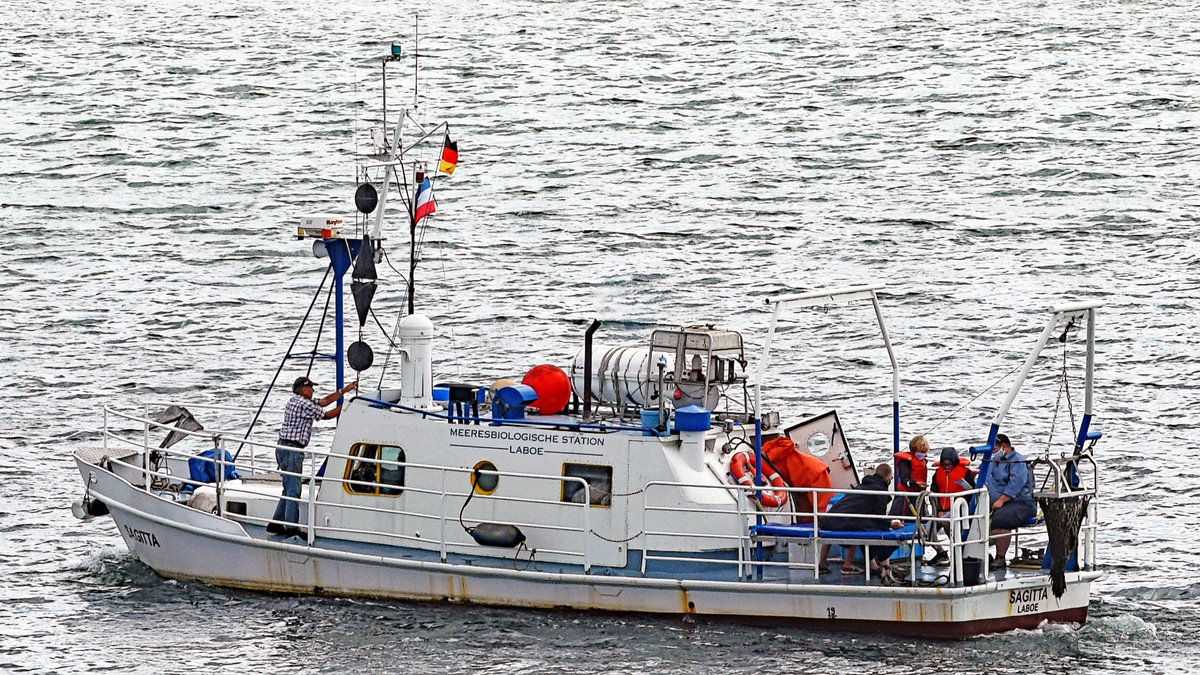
{"type": "Point", "coordinates": [1010, 488]}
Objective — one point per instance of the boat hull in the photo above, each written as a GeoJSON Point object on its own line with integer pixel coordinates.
{"type": "Point", "coordinates": [184, 543]}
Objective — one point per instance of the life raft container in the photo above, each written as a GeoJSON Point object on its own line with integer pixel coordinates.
{"type": "Point", "coordinates": [741, 467]}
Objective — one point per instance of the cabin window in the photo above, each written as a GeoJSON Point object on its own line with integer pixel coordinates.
{"type": "Point", "coordinates": [482, 483]}
{"type": "Point", "coordinates": [375, 469]}
{"type": "Point", "coordinates": [599, 480]}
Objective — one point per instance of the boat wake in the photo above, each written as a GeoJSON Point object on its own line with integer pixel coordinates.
{"type": "Point", "coordinates": [116, 566]}
{"type": "Point", "coordinates": [1120, 627]}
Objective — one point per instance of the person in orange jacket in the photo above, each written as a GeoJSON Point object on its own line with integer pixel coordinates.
{"type": "Point", "coordinates": [953, 474]}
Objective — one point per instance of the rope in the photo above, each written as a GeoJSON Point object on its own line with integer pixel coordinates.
{"type": "Point", "coordinates": [973, 399]}
{"type": "Point", "coordinates": [312, 356]}
{"type": "Point", "coordinates": [1057, 407]}
{"type": "Point", "coordinates": [925, 538]}
{"type": "Point", "coordinates": [517, 557]}
{"type": "Point", "coordinates": [271, 386]}
{"type": "Point", "coordinates": [387, 359]}
{"type": "Point", "coordinates": [939, 580]}
{"type": "Point", "coordinates": [470, 495]}
{"type": "Point", "coordinates": [1064, 389]}
{"type": "Point", "coordinates": [627, 494]}
{"type": "Point", "coordinates": [400, 274]}
{"type": "Point", "coordinates": [887, 577]}
{"type": "Point", "coordinates": [391, 345]}
{"type": "Point", "coordinates": [1067, 387]}
{"type": "Point", "coordinates": [919, 513]}
{"type": "Point", "coordinates": [618, 541]}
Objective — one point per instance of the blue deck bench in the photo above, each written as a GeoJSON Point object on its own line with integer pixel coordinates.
{"type": "Point", "coordinates": [904, 534]}
{"type": "Point", "coordinates": [867, 538]}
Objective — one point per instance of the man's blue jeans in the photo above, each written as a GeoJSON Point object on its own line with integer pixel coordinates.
{"type": "Point", "coordinates": [290, 461]}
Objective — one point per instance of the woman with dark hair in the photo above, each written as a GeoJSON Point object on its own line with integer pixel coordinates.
{"type": "Point", "coordinates": [953, 474]}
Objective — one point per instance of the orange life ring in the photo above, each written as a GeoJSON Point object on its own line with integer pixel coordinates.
{"type": "Point", "coordinates": [740, 467]}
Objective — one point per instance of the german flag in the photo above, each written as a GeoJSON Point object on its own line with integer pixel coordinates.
{"type": "Point", "coordinates": [449, 156]}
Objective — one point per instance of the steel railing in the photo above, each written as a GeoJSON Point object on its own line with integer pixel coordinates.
{"type": "Point", "coordinates": [662, 535]}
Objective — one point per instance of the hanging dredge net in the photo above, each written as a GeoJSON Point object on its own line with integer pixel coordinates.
{"type": "Point", "coordinates": [1063, 515]}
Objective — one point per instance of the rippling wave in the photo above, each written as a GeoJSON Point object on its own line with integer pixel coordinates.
{"type": "Point", "coordinates": [649, 165]}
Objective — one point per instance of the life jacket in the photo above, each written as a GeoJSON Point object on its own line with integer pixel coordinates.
{"type": "Point", "coordinates": [920, 470]}
{"type": "Point", "coordinates": [948, 481]}
{"type": "Point", "coordinates": [802, 470]}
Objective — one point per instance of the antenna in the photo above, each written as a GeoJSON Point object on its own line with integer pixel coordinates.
{"type": "Point", "coordinates": [420, 175]}
{"type": "Point", "coordinates": [416, 56]}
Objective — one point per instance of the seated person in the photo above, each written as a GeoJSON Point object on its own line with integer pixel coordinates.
{"type": "Point", "coordinates": [953, 474]}
{"type": "Point", "coordinates": [845, 515]}
{"type": "Point", "coordinates": [801, 470]}
{"type": "Point", "coordinates": [911, 474]}
{"type": "Point", "coordinates": [1010, 487]}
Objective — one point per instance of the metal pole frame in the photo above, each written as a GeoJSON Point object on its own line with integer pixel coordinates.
{"type": "Point", "coordinates": [825, 297]}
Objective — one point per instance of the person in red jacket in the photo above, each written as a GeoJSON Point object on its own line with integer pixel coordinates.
{"type": "Point", "coordinates": [953, 474]}
{"type": "Point", "coordinates": [912, 475]}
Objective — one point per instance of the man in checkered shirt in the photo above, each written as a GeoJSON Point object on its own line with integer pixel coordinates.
{"type": "Point", "coordinates": [298, 417]}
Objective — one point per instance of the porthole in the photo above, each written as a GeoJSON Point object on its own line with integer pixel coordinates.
{"type": "Point", "coordinates": [484, 483]}
{"type": "Point", "coordinates": [818, 444]}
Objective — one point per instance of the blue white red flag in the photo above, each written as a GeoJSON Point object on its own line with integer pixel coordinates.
{"type": "Point", "coordinates": [424, 203]}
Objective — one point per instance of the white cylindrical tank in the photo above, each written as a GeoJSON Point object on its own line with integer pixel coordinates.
{"type": "Point", "coordinates": [618, 375]}
{"type": "Point", "coordinates": [415, 336]}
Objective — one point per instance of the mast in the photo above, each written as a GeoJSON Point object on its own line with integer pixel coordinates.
{"type": "Point", "coordinates": [412, 251]}
{"type": "Point", "coordinates": [396, 166]}
{"type": "Point", "coordinates": [412, 230]}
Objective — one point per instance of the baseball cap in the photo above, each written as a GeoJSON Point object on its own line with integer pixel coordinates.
{"type": "Point", "coordinates": [302, 382]}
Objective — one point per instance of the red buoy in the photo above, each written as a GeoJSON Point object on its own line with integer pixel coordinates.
{"type": "Point", "coordinates": [552, 386]}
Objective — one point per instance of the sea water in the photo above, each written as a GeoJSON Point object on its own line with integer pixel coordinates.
{"type": "Point", "coordinates": [645, 163]}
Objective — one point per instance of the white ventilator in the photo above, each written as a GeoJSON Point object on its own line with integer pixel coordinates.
{"type": "Point", "coordinates": [415, 335]}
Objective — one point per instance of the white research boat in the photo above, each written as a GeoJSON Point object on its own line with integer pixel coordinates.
{"type": "Point", "coordinates": [621, 501]}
